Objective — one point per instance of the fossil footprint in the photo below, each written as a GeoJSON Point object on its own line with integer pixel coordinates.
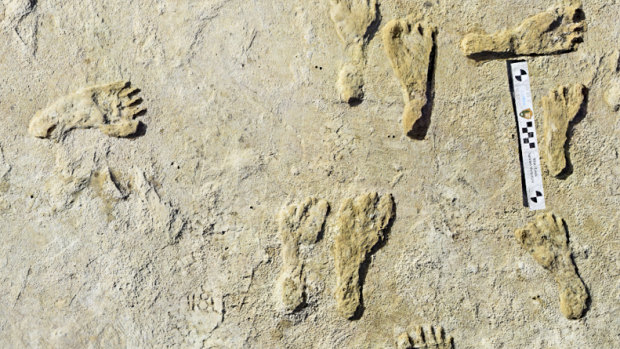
{"type": "Point", "coordinates": [558, 29]}
{"type": "Point", "coordinates": [300, 228]}
{"type": "Point", "coordinates": [560, 108]}
{"type": "Point", "coordinates": [204, 311]}
{"type": "Point", "coordinates": [546, 240]}
{"type": "Point", "coordinates": [353, 18]}
{"type": "Point", "coordinates": [362, 223]}
{"type": "Point", "coordinates": [111, 108]}
{"type": "Point", "coordinates": [17, 16]}
{"type": "Point", "coordinates": [431, 338]}
{"type": "Point", "coordinates": [409, 46]}
{"type": "Point", "coordinates": [611, 96]}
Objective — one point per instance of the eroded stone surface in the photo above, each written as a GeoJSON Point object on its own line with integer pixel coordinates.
{"type": "Point", "coordinates": [243, 114]}
{"type": "Point", "coordinates": [560, 107]}
{"type": "Point", "coordinates": [362, 224]}
{"type": "Point", "coordinates": [546, 239]}
{"type": "Point", "coordinates": [161, 216]}
{"type": "Point", "coordinates": [16, 21]}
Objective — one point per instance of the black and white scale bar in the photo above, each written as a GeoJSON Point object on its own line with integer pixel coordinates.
{"type": "Point", "coordinates": [530, 159]}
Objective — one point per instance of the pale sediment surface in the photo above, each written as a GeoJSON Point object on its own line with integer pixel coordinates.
{"type": "Point", "coordinates": [170, 237]}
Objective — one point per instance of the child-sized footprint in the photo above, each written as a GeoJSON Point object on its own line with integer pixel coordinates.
{"type": "Point", "coordinates": [353, 20]}
{"type": "Point", "coordinates": [560, 108]}
{"type": "Point", "coordinates": [612, 95]}
{"type": "Point", "coordinates": [431, 338]}
{"type": "Point", "coordinates": [299, 226]}
{"type": "Point", "coordinates": [546, 240]}
{"type": "Point", "coordinates": [557, 30]}
{"type": "Point", "coordinates": [111, 108]}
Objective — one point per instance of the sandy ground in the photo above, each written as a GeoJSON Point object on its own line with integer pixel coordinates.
{"type": "Point", "coordinates": [171, 237]}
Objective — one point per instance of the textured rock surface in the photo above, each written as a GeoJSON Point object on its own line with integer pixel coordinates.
{"type": "Point", "coordinates": [170, 238]}
{"type": "Point", "coordinates": [612, 93]}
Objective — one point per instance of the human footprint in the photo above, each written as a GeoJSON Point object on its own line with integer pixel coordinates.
{"type": "Point", "coordinates": [353, 19]}
{"type": "Point", "coordinates": [362, 223]}
{"type": "Point", "coordinates": [409, 46]}
{"type": "Point", "coordinates": [300, 227]}
{"type": "Point", "coordinates": [560, 107]}
{"type": "Point", "coordinates": [111, 108]}
{"type": "Point", "coordinates": [612, 95]}
{"type": "Point", "coordinates": [557, 30]}
{"type": "Point", "coordinates": [432, 338]}
{"type": "Point", "coordinates": [546, 240]}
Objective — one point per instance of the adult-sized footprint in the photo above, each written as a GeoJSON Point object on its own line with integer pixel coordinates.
{"type": "Point", "coordinates": [409, 46]}
{"type": "Point", "coordinates": [111, 108]}
{"type": "Point", "coordinates": [362, 224]}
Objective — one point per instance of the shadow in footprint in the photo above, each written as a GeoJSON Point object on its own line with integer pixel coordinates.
{"type": "Point", "coordinates": [488, 56]}
{"type": "Point", "coordinates": [370, 33]}
{"type": "Point", "coordinates": [589, 296]}
{"type": "Point", "coordinates": [354, 102]}
{"type": "Point", "coordinates": [374, 26]}
{"type": "Point", "coordinates": [141, 130]}
{"type": "Point", "coordinates": [420, 128]}
{"type": "Point", "coordinates": [578, 16]}
{"type": "Point", "coordinates": [581, 114]}
{"type": "Point", "coordinates": [366, 264]}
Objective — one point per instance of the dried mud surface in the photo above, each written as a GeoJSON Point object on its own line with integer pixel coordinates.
{"type": "Point", "coordinates": [170, 236]}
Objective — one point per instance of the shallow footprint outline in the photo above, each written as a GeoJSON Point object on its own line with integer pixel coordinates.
{"type": "Point", "coordinates": [352, 19]}
{"type": "Point", "coordinates": [111, 108]}
{"type": "Point", "coordinates": [409, 46]}
{"type": "Point", "coordinates": [546, 239]}
{"type": "Point", "coordinates": [300, 226]}
{"type": "Point", "coordinates": [204, 311]}
{"type": "Point", "coordinates": [611, 96]}
{"type": "Point", "coordinates": [559, 29]}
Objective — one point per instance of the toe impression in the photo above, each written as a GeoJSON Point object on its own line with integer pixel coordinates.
{"type": "Point", "coordinates": [546, 240]}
